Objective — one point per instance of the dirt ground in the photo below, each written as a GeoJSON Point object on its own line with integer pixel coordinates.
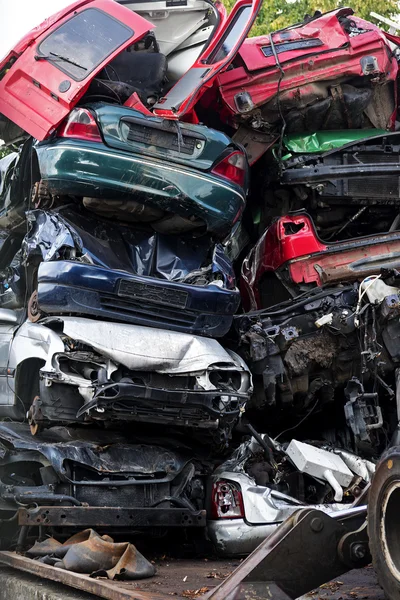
{"type": "Point", "coordinates": [356, 585]}
{"type": "Point", "coordinates": [185, 578]}
{"type": "Point", "coordinates": [189, 578]}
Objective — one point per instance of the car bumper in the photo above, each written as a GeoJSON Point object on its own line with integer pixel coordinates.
{"type": "Point", "coordinates": [97, 171]}
{"type": "Point", "coordinates": [235, 537]}
{"type": "Point", "coordinates": [93, 516]}
{"type": "Point", "coordinates": [66, 287]}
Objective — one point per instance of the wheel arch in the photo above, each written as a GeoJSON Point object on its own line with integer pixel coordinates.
{"type": "Point", "coordinates": [27, 381]}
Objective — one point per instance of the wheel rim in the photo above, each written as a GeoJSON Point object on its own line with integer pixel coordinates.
{"type": "Point", "coordinates": [390, 528]}
{"type": "Point", "coordinates": [33, 425]}
{"type": "Point", "coordinates": [34, 313]}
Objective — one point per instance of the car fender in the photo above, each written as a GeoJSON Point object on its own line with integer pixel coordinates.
{"type": "Point", "coordinates": [34, 340]}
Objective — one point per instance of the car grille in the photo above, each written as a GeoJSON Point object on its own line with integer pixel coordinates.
{"type": "Point", "coordinates": [161, 139]}
{"type": "Point", "coordinates": [137, 494]}
{"type": "Point", "coordinates": [374, 187]}
{"type": "Point", "coordinates": [152, 293]}
{"type": "Point", "coordinates": [161, 315]}
{"type": "Point", "coordinates": [127, 496]}
{"type": "Point", "coordinates": [385, 186]}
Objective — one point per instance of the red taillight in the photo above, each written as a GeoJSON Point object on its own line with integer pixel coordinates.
{"type": "Point", "coordinates": [232, 167]}
{"type": "Point", "coordinates": [81, 125]}
{"type": "Point", "coordinates": [226, 501]}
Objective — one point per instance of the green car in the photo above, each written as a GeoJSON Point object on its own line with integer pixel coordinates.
{"type": "Point", "coordinates": [123, 164]}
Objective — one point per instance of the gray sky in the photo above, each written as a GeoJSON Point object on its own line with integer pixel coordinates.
{"type": "Point", "coordinates": [17, 17]}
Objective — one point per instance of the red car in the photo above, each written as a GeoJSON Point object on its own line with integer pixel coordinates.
{"type": "Point", "coordinates": [291, 258]}
{"type": "Point", "coordinates": [43, 77]}
{"type": "Point", "coordinates": [335, 71]}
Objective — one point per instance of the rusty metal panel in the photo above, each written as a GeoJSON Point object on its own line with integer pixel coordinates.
{"type": "Point", "coordinates": [341, 263]}
{"type": "Point", "coordinates": [80, 516]}
{"type": "Point", "coordinates": [104, 589]}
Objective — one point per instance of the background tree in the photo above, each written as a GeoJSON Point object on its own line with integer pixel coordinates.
{"type": "Point", "coordinates": [4, 151]}
{"type": "Point", "coordinates": [276, 14]}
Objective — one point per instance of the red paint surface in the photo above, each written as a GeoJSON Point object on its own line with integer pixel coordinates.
{"type": "Point", "coordinates": [29, 91]}
{"type": "Point", "coordinates": [215, 67]}
{"type": "Point", "coordinates": [339, 56]}
{"type": "Point", "coordinates": [307, 260]}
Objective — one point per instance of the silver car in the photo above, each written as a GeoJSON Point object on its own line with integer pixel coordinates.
{"type": "Point", "coordinates": [244, 508]}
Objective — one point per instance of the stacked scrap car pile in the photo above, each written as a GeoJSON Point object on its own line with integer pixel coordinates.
{"type": "Point", "coordinates": [128, 355]}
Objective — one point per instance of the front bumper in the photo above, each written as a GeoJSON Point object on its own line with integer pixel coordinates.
{"type": "Point", "coordinates": [235, 537]}
{"type": "Point", "coordinates": [94, 170]}
{"type": "Point", "coordinates": [66, 287]}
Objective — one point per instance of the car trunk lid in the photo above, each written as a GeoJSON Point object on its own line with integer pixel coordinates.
{"type": "Point", "coordinates": [49, 70]}
{"type": "Point", "coordinates": [129, 130]}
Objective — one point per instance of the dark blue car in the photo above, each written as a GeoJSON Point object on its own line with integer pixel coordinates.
{"type": "Point", "coordinates": [89, 266]}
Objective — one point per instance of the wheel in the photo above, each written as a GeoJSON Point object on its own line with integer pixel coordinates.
{"type": "Point", "coordinates": [384, 523]}
{"type": "Point", "coordinates": [41, 197]}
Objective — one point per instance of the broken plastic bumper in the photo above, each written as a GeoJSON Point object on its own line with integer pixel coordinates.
{"type": "Point", "coordinates": [66, 287]}
{"type": "Point", "coordinates": [96, 171]}
{"type": "Point", "coordinates": [235, 537]}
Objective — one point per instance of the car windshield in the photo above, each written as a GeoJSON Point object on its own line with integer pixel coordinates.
{"type": "Point", "coordinates": [82, 43]}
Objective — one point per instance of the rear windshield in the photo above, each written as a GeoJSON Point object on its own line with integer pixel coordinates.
{"type": "Point", "coordinates": [86, 40]}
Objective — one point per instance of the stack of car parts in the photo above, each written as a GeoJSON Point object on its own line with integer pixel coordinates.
{"type": "Point", "coordinates": [116, 284]}
{"type": "Point", "coordinates": [127, 210]}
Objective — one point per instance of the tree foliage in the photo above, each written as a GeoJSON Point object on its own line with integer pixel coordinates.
{"type": "Point", "coordinates": [276, 14]}
{"type": "Point", "coordinates": [4, 151]}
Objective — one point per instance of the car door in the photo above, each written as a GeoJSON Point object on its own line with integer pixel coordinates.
{"type": "Point", "coordinates": [46, 74]}
{"type": "Point", "coordinates": [216, 57]}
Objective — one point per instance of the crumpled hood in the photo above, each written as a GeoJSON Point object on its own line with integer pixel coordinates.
{"type": "Point", "coordinates": [52, 234]}
{"type": "Point", "coordinates": [147, 349]}
{"type": "Point", "coordinates": [94, 449]}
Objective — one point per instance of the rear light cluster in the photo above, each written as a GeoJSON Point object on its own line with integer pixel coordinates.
{"type": "Point", "coordinates": [226, 501]}
{"type": "Point", "coordinates": [232, 167]}
{"type": "Point", "coordinates": [81, 125]}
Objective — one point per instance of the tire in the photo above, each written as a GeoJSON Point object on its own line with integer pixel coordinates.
{"type": "Point", "coordinates": [384, 523]}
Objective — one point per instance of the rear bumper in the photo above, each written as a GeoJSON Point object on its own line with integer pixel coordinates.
{"type": "Point", "coordinates": [235, 537]}
{"type": "Point", "coordinates": [97, 171]}
{"type": "Point", "coordinates": [66, 287]}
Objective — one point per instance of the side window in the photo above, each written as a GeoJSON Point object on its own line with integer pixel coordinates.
{"type": "Point", "coordinates": [231, 37]}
